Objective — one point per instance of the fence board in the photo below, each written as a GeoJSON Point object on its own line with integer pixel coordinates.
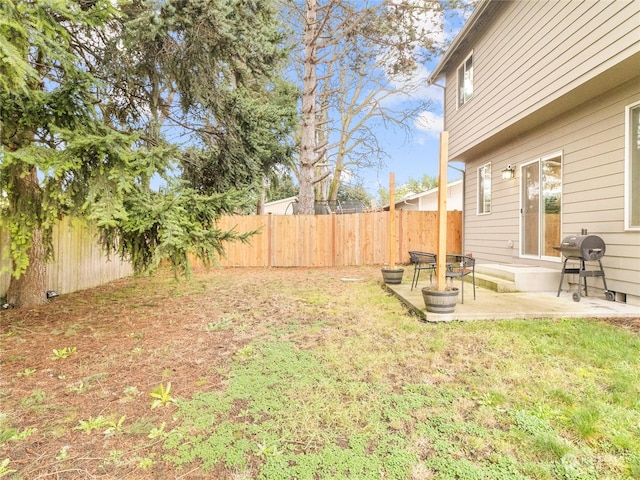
{"type": "Point", "coordinates": [5, 264]}
{"type": "Point", "coordinates": [255, 253]}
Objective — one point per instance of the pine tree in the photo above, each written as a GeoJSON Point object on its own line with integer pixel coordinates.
{"type": "Point", "coordinates": [89, 95]}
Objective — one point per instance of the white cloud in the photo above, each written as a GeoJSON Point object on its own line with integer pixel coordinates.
{"type": "Point", "coordinates": [411, 88]}
{"type": "Point", "coordinates": [428, 26]}
{"type": "Point", "coordinates": [418, 82]}
{"type": "Point", "coordinates": [428, 21]}
{"type": "Point", "coordinates": [430, 123]}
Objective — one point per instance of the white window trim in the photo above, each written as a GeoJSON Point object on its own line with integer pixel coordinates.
{"type": "Point", "coordinates": [478, 212]}
{"type": "Point", "coordinates": [627, 169]}
{"type": "Point", "coordinates": [458, 104]}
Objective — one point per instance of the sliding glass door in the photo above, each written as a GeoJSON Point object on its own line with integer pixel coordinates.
{"type": "Point", "coordinates": [541, 207]}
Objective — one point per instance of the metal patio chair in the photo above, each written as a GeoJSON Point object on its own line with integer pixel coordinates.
{"type": "Point", "coordinates": [422, 261]}
{"type": "Point", "coordinates": [459, 266]}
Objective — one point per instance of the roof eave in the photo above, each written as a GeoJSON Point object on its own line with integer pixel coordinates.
{"type": "Point", "coordinates": [468, 26]}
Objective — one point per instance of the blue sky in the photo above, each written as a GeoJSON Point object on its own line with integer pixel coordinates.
{"type": "Point", "coordinates": [415, 155]}
{"type": "Point", "coordinates": [410, 156]}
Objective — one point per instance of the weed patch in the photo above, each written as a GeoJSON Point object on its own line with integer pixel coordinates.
{"type": "Point", "coordinates": [285, 411]}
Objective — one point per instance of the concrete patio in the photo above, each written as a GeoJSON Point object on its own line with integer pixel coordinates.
{"type": "Point", "coordinates": [492, 305]}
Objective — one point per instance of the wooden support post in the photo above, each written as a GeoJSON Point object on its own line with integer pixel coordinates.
{"type": "Point", "coordinates": [392, 221]}
{"type": "Point", "coordinates": [442, 212]}
{"type": "Point", "coordinates": [270, 253]}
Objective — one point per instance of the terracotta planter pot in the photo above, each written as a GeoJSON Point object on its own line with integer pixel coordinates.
{"type": "Point", "coordinates": [392, 276]}
{"type": "Point", "coordinates": [440, 301]}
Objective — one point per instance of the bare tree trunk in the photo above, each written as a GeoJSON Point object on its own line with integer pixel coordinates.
{"type": "Point", "coordinates": [356, 56]}
{"type": "Point", "coordinates": [306, 172]}
{"type": "Point", "coordinates": [336, 180]}
{"type": "Point", "coordinates": [29, 289]}
{"type": "Point", "coordinates": [262, 199]}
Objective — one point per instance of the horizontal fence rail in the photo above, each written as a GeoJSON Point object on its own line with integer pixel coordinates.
{"type": "Point", "coordinates": [281, 241]}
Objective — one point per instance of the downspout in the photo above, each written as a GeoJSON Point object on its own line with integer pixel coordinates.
{"type": "Point", "coordinates": [444, 99]}
{"type": "Point", "coordinates": [464, 180]}
{"type": "Point", "coordinates": [464, 196]}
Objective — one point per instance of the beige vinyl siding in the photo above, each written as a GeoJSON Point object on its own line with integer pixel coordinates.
{"type": "Point", "coordinates": [536, 53]}
{"type": "Point", "coordinates": [591, 139]}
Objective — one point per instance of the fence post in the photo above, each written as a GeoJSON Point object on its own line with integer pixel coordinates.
{"type": "Point", "coordinates": [400, 235]}
{"type": "Point", "coordinates": [333, 239]}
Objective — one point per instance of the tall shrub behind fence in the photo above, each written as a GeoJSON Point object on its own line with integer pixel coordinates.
{"type": "Point", "coordinates": [79, 262]}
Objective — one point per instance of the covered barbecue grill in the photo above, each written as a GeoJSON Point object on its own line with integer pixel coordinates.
{"type": "Point", "coordinates": [583, 248]}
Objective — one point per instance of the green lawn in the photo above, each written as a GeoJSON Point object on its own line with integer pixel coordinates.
{"type": "Point", "coordinates": [333, 380]}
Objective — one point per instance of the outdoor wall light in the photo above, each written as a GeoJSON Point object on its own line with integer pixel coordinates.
{"type": "Point", "coordinates": [509, 172]}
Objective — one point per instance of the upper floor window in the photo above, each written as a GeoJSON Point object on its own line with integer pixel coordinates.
{"type": "Point", "coordinates": [484, 189]}
{"type": "Point", "coordinates": [632, 158]}
{"type": "Point", "coordinates": [465, 81]}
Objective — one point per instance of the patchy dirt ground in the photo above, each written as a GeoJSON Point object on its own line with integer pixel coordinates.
{"type": "Point", "coordinates": [122, 341]}
{"type": "Point", "coordinates": [632, 324]}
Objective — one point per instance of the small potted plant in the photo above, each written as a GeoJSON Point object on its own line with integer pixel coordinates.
{"type": "Point", "coordinates": [392, 274]}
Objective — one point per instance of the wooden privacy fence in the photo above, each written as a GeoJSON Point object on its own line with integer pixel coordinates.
{"type": "Point", "coordinates": [282, 241]}
{"type": "Point", "coordinates": [335, 240]}
{"type": "Point", "coordinates": [79, 262]}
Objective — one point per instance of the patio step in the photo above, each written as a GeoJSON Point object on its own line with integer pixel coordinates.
{"type": "Point", "coordinates": [517, 278]}
{"type": "Point", "coordinates": [496, 284]}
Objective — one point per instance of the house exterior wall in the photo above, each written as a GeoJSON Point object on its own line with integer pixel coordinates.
{"type": "Point", "coordinates": [533, 55]}
{"type": "Point", "coordinates": [591, 139]}
{"type": "Point", "coordinates": [280, 207]}
{"type": "Point", "coordinates": [549, 77]}
{"type": "Point", "coordinates": [428, 201]}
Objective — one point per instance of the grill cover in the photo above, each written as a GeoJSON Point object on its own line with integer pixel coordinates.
{"type": "Point", "coordinates": [584, 247]}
